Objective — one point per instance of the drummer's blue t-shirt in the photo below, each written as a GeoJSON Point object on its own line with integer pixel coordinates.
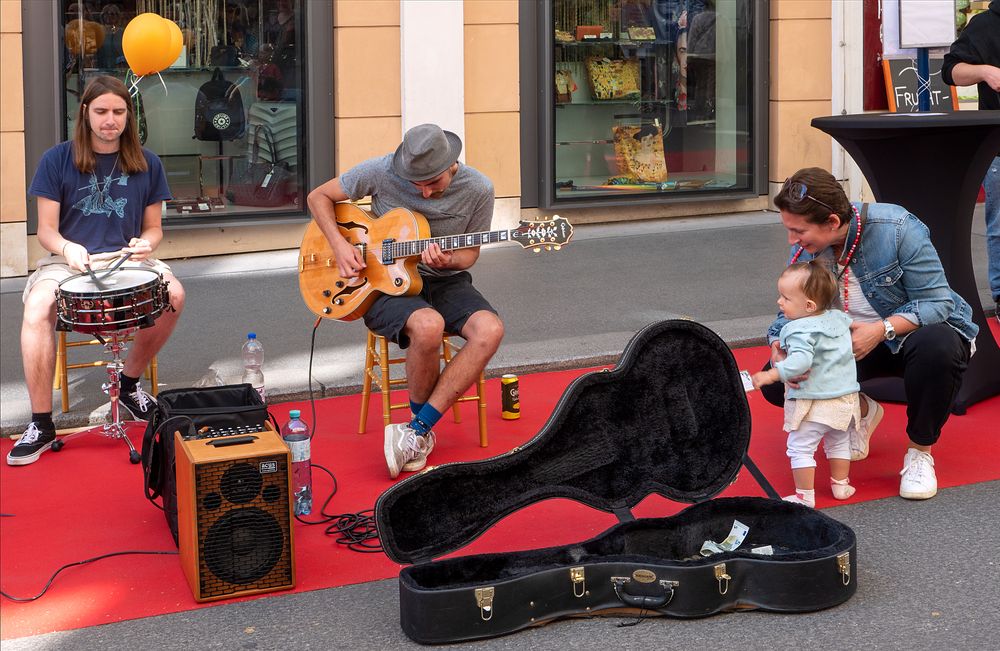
{"type": "Point", "coordinates": [100, 210]}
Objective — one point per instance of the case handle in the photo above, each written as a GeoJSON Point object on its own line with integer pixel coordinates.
{"type": "Point", "coordinates": [231, 440]}
{"type": "Point", "coordinates": [648, 601]}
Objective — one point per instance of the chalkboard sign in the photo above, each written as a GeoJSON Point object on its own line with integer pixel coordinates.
{"type": "Point", "coordinates": [901, 86]}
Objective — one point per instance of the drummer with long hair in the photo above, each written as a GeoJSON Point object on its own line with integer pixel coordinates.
{"type": "Point", "coordinates": [100, 197]}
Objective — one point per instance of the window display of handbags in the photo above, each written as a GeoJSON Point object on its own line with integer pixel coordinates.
{"type": "Point", "coordinates": [651, 77]}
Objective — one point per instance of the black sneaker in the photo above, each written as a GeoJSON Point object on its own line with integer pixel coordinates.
{"type": "Point", "coordinates": [30, 446]}
{"type": "Point", "coordinates": [138, 402]}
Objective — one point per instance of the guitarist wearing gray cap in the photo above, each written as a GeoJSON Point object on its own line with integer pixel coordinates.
{"type": "Point", "coordinates": [422, 175]}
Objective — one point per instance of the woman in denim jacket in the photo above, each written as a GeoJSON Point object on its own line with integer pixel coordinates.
{"type": "Point", "coordinates": [907, 321]}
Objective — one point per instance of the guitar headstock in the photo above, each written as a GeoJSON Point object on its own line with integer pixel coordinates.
{"type": "Point", "coordinates": [551, 233]}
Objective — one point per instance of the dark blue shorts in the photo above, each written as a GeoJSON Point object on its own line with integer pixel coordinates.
{"type": "Point", "coordinates": [453, 297]}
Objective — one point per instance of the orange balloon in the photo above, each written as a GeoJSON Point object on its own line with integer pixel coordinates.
{"type": "Point", "coordinates": [176, 41]}
{"type": "Point", "coordinates": [144, 41]}
{"type": "Point", "coordinates": [173, 50]}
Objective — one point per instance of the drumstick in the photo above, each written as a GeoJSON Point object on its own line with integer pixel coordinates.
{"type": "Point", "coordinates": [117, 264]}
{"type": "Point", "coordinates": [94, 277]}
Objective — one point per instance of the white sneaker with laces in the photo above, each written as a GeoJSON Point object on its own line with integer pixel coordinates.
{"type": "Point", "coordinates": [919, 480]}
{"type": "Point", "coordinates": [402, 445]}
{"type": "Point", "coordinates": [860, 434]}
{"type": "Point", "coordinates": [420, 460]}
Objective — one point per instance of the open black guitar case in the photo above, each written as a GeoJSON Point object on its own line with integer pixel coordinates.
{"type": "Point", "coordinates": [671, 418]}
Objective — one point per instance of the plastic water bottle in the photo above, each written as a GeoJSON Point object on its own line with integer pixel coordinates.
{"type": "Point", "coordinates": [253, 359]}
{"type": "Point", "coordinates": [296, 435]}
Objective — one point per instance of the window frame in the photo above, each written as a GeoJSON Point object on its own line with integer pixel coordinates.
{"type": "Point", "coordinates": [45, 108]}
{"type": "Point", "coordinates": [537, 127]}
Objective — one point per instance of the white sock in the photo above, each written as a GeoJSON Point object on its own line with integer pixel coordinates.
{"type": "Point", "coordinates": [841, 488]}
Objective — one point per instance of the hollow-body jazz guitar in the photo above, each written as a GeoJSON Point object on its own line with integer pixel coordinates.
{"type": "Point", "coordinates": [391, 246]}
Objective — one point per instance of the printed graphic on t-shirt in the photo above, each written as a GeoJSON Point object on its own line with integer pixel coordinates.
{"type": "Point", "coordinates": [98, 200]}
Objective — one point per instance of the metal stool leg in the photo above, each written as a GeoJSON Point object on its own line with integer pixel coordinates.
{"type": "Point", "coordinates": [115, 344]}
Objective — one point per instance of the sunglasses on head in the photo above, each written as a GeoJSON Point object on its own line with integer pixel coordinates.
{"type": "Point", "coordinates": [797, 191]}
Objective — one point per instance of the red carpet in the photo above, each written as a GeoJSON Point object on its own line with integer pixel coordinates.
{"type": "Point", "coordinates": [87, 500]}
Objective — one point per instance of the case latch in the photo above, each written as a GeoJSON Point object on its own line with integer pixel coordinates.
{"type": "Point", "coordinates": [722, 578]}
{"type": "Point", "coordinates": [577, 576]}
{"type": "Point", "coordinates": [484, 598]}
{"type": "Point", "coordinates": [844, 566]}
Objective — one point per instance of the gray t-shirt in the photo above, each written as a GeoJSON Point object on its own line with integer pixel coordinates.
{"type": "Point", "coordinates": [465, 207]}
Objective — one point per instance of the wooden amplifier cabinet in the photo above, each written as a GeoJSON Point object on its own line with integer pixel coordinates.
{"type": "Point", "coordinates": [234, 514]}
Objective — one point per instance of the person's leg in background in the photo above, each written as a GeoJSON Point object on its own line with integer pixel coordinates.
{"type": "Point", "coordinates": [991, 183]}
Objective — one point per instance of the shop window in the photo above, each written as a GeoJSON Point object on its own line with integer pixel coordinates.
{"type": "Point", "coordinates": [650, 98]}
{"type": "Point", "coordinates": [243, 61]}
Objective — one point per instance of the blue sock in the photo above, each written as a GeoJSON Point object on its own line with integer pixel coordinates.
{"type": "Point", "coordinates": [415, 407]}
{"type": "Point", "coordinates": [425, 419]}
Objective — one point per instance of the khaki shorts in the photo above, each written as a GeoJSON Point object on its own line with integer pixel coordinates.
{"type": "Point", "coordinates": [54, 267]}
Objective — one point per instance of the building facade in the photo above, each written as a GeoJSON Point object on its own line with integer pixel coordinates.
{"type": "Point", "coordinates": [600, 110]}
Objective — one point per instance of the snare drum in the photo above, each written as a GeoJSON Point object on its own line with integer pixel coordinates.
{"type": "Point", "coordinates": [131, 298]}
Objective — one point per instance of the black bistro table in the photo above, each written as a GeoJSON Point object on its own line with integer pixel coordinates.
{"type": "Point", "coordinates": [933, 165]}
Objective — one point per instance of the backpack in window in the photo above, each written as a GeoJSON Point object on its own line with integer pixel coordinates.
{"type": "Point", "coordinates": [218, 110]}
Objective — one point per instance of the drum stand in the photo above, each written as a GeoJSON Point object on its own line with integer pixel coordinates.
{"type": "Point", "coordinates": [114, 343]}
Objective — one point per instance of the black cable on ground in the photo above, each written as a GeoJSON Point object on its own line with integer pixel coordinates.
{"type": "Point", "coordinates": [356, 531]}
{"type": "Point", "coordinates": [89, 560]}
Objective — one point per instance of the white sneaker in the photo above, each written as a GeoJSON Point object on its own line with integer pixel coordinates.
{"type": "Point", "coordinates": [420, 460]}
{"type": "Point", "coordinates": [919, 481]}
{"type": "Point", "coordinates": [861, 434]}
{"type": "Point", "coordinates": [402, 445]}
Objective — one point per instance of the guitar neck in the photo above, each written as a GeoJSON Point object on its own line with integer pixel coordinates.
{"type": "Point", "coordinates": [409, 248]}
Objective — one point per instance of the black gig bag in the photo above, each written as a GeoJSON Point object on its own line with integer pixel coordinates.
{"type": "Point", "coordinates": [671, 418]}
{"type": "Point", "coordinates": [231, 408]}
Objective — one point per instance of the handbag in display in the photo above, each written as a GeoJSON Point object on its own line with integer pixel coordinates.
{"type": "Point", "coordinates": [261, 183]}
{"type": "Point", "coordinates": [195, 412]}
{"type": "Point", "coordinates": [671, 418]}
{"type": "Point", "coordinates": [639, 153]}
{"type": "Point", "coordinates": [565, 86]}
{"type": "Point", "coordinates": [613, 79]}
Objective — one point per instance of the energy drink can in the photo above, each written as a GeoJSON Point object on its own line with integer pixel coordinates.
{"type": "Point", "coordinates": [510, 397]}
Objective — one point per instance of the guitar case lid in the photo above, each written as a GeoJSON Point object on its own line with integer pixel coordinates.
{"type": "Point", "coordinates": [670, 418]}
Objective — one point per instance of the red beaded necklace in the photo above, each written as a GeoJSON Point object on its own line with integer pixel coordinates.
{"type": "Point", "coordinates": [845, 272]}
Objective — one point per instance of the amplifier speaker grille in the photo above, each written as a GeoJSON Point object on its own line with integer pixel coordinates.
{"type": "Point", "coordinates": [236, 521]}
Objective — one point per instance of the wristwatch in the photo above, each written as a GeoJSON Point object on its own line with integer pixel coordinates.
{"type": "Point", "coordinates": [890, 332]}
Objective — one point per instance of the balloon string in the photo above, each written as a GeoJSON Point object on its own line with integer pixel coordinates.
{"type": "Point", "coordinates": [163, 83]}
{"type": "Point", "coordinates": [135, 85]}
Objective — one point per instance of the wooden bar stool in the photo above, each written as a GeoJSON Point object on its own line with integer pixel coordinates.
{"type": "Point", "coordinates": [377, 369]}
{"type": "Point", "coordinates": [61, 380]}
